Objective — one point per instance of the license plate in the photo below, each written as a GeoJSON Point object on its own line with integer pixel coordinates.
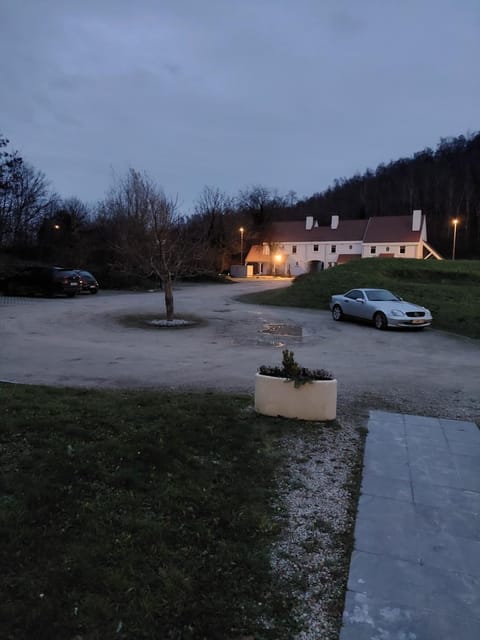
{"type": "Point", "coordinates": [75, 284]}
{"type": "Point", "coordinates": [419, 321]}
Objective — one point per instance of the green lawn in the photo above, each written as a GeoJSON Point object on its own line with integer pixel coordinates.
{"type": "Point", "coordinates": [131, 514]}
{"type": "Point", "coordinates": [451, 290]}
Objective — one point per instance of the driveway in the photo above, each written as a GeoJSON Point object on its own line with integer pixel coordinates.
{"type": "Point", "coordinates": [80, 342]}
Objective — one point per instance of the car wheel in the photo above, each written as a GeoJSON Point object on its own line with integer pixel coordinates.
{"type": "Point", "coordinates": [337, 313]}
{"type": "Point", "coordinates": [379, 320]}
{"type": "Point", "coordinates": [92, 291]}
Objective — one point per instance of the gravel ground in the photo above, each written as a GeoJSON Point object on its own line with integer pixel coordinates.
{"type": "Point", "coordinates": [319, 491]}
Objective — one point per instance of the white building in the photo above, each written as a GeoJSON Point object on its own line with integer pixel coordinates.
{"type": "Point", "coordinates": [293, 248]}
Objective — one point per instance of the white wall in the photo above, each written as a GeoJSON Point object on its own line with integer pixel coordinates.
{"type": "Point", "coordinates": [299, 262]}
{"type": "Point", "coordinates": [411, 250]}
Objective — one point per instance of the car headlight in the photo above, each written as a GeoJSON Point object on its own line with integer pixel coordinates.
{"type": "Point", "coordinates": [397, 313]}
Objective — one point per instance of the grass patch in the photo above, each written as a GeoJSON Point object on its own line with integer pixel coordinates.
{"type": "Point", "coordinates": [139, 514]}
{"type": "Point", "coordinates": [450, 289]}
{"type": "Point", "coordinates": [143, 321]}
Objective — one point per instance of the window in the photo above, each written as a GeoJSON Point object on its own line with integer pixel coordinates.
{"type": "Point", "coordinates": [315, 247]}
{"type": "Point", "coordinates": [373, 250]}
{"type": "Point", "coordinates": [354, 294]}
{"type": "Point", "coordinates": [402, 249]}
{"type": "Point", "coordinates": [333, 248]}
{"type": "Point", "coordinates": [349, 246]}
{"type": "Point", "coordinates": [387, 249]}
{"type": "Point", "coordinates": [294, 248]}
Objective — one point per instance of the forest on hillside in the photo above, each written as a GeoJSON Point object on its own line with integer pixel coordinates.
{"type": "Point", "coordinates": [137, 230]}
{"type": "Point", "coordinates": [444, 183]}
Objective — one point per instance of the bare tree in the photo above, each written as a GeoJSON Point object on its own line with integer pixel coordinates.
{"type": "Point", "coordinates": [23, 206]}
{"type": "Point", "coordinates": [213, 216]}
{"type": "Point", "coordinates": [10, 171]}
{"type": "Point", "coordinates": [63, 234]}
{"type": "Point", "coordinates": [148, 232]}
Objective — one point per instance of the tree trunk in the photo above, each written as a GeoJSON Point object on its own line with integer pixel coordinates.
{"type": "Point", "coordinates": [168, 291]}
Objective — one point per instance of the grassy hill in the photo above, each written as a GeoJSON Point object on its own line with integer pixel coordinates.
{"type": "Point", "coordinates": [451, 290]}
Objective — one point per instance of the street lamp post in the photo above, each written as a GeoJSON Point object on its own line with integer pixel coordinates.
{"type": "Point", "coordinates": [241, 245]}
{"type": "Point", "coordinates": [455, 222]}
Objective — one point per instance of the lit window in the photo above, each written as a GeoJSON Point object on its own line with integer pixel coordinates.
{"type": "Point", "coordinates": [373, 249]}
{"type": "Point", "coordinates": [334, 248]}
{"type": "Point", "coordinates": [315, 247]}
{"type": "Point", "coordinates": [402, 249]}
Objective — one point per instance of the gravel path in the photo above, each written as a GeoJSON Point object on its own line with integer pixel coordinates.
{"type": "Point", "coordinates": [80, 342]}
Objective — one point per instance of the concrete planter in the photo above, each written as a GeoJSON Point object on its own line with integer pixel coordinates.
{"type": "Point", "coordinates": [316, 400]}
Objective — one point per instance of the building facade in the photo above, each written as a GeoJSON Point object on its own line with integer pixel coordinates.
{"type": "Point", "coordinates": [294, 248]}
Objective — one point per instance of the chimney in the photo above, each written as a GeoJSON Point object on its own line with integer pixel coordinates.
{"type": "Point", "coordinates": [417, 220]}
{"type": "Point", "coordinates": [308, 222]}
{"type": "Point", "coordinates": [334, 223]}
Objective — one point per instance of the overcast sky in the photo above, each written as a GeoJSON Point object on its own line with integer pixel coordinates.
{"type": "Point", "coordinates": [290, 94]}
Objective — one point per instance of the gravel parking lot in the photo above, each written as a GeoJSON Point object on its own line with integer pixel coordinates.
{"type": "Point", "coordinates": [79, 342]}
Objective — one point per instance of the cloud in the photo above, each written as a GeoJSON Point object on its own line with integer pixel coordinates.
{"type": "Point", "coordinates": [229, 93]}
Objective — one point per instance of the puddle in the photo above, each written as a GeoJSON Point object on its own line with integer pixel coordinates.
{"type": "Point", "coordinates": [281, 329]}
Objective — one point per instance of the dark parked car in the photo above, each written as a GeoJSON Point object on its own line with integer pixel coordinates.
{"type": "Point", "coordinates": [44, 281]}
{"type": "Point", "coordinates": [87, 281]}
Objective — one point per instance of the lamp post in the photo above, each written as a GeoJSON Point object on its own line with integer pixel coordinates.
{"type": "Point", "coordinates": [454, 222]}
{"type": "Point", "coordinates": [241, 245]}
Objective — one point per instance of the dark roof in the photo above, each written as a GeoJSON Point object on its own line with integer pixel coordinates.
{"type": "Point", "coordinates": [391, 229]}
{"type": "Point", "coordinates": [256, 254]}
{"type": "Point", "coordinates": [347, 230]}
{"type": "Point", "coordinates": [377, 229]}
{"type": "Point", "coordinates": [347, 257]}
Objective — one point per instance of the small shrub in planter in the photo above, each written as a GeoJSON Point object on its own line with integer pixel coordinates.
{"type": "Point", "coordinates": [312, 396]}
{"type": "Point", "coordinates": [291, 370]}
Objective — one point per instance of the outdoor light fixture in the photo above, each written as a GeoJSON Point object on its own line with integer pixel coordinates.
{"type": "Point", "coordinates": [455, 223]}
{"type": "Point", "coordinates": [277, 258]}
{"type": "Point", "coordinates": [241, 244]}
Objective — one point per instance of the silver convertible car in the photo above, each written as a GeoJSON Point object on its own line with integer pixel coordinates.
{"type": "Point", "coordinates": [380, 306]}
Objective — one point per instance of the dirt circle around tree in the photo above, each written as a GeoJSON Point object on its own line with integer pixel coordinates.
{"type": "Point", "coordinates": [159, 321]}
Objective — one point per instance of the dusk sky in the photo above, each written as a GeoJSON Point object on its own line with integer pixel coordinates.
{"type": "Point", "coordinates": [232, 93]}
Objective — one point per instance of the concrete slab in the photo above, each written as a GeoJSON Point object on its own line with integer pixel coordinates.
{"type": "Point", "coordinates": [415, 569]}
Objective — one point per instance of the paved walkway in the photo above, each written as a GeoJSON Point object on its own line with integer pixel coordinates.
{"type": "Point", "coordinates": [415, 569]}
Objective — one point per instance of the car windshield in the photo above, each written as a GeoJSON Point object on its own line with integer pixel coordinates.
{"type": "Point", "coordinates": [380, 295]}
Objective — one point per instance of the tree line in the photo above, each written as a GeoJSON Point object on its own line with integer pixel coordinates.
{"type": "Point", "coordinates": [443, 183]}
{"type": "Point", "coordinates": [137, 231]}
